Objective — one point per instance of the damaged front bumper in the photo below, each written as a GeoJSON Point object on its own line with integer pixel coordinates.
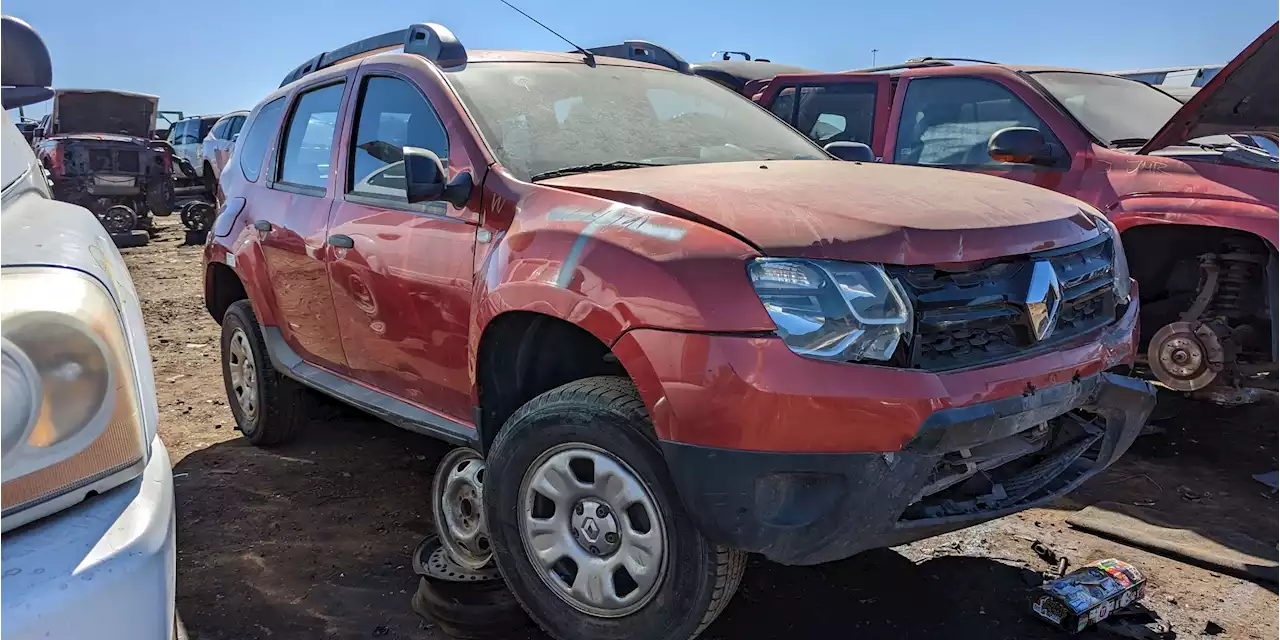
{"type": "Point", "coordinates": [965, 465]}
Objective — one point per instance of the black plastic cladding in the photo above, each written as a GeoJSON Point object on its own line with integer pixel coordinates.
{"type": "Point", "coordinates": [431, 41]}
{"type": "Point", "coordinates": [976, 317]}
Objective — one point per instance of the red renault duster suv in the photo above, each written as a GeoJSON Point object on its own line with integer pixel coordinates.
{"type": "Point", "coordinates": [667, 327]}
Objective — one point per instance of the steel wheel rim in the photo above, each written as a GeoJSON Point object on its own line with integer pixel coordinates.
{"type": "Point", "coordinates": [458, 506]}
{"type": "Point", "coordinates": [571, 478]}
{"type": "Point", "coordinates": [243, 372]}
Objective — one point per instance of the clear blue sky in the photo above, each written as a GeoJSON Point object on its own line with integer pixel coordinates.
{"type": "Point", "coordinates": [207, 57]}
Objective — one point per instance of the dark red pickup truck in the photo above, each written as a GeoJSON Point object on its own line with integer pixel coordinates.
{"type": "Point", "coordinates": [1197, 209]}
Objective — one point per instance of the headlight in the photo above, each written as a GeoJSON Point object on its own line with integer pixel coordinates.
{"type": "Point", "coordinates": [72, 420]}
{"type": "Point", "coordinates": [1120, 264]}
{"type": "Point", "coordinates": [833, 310]}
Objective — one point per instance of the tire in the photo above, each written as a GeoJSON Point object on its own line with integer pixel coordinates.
{"type": "Point", "coordinates": [606, 415]}
{"type": "Point", "coordinates": [278, 410]}
{"type": "Point", "coordinates": [470, 610]}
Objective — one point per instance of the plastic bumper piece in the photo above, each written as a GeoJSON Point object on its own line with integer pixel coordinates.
{"type": "Point", "coordinates": [809, 508]}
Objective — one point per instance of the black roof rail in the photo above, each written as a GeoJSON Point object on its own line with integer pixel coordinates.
{"type": "Point", "coordinates": [432, 41]}
{"type": "Point", "coordinates": [643, 51]}
{"type": "Point", "coordinates": [725, 55]}
{"type": "Point", "coordinates": [917, 63]}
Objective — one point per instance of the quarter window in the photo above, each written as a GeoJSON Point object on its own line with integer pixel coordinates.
{"type": "Point", "coordinates": [308, 138]}
{"type": "Point", "coordinates": [261, 132]}
{"type": "Point", "coordinates": [393, 115]}
{"type": "Point", "coordinates": [949, 121]}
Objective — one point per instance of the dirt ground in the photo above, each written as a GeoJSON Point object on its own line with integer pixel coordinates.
{"type": "Point", "coordinates": [312, 540]}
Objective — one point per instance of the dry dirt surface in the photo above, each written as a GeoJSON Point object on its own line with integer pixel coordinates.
{"type": "Point", "coordinates": [312, 539]}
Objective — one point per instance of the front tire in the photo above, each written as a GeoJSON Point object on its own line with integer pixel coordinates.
{"type": "Point", "coordinates": [268, 407]}
{"type": "Point", "coordinates": [639, 569]}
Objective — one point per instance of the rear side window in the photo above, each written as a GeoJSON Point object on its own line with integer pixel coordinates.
{"type": "Point", "coordinates": [949, 121]}
{"type": "Point", "coordinates": [308, 138]}
{"type": "Point", "coordinates": [393, 115]}
{"type": "Point", "coordinates": [261, 132]}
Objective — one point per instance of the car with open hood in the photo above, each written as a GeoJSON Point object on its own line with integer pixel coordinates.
{"type": "Point", "coordinates": [663, 328]}
{"type": "Point", "coordinates": [98, 151]}
{"type": "Point", "coordinates": [88, 520]}
{"type": "Point", "coordinates": [1192, 187]}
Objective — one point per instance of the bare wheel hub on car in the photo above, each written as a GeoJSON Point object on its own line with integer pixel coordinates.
{"type": "Point", "coordinates": [592, 530]}
{"type": "Point", "coordinates": [1185, 356]}
{"type": "Point", "coordinates": [459, 508]}
{"type": "Point", "coordinates": [243, 372]}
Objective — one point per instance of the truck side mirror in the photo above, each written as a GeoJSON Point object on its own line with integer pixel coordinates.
{"type": "Point", "coordinates": [1021, 145]}
{"type": "Point", "coordinates": [25, 69]}
{"type": "Point", "coordinates": [852, 151]}
{"type": "Point", "coordinates": [424, 179]}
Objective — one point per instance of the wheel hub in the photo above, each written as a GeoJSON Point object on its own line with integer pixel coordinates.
{"type": "Point", "coordinates": [243, 372]}
{"type": "Point", "coordinates": [1185, 356]}
{"type": "Point", "coordinates": [592, 530]}
{"type": "Point", "coordinates": [458, 506]}
{"type": "Point", "coordinates": [595, 527]}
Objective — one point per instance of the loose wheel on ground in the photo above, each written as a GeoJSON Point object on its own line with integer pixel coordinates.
{"type": "Point", "coordinates": [457, 499]}
{"type": "Point", "coordinates": [268, 407]}
{"type": "Point", "coordinates": [586, 524]}
{"type": "Point", "coordinates": [464, 603]}
{"type": "Point", "coordinates": [118, 219]}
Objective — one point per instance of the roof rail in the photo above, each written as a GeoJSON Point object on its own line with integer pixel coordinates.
{"type": "Point", "coordinates": [725, 55]}
{"type": "Point", "coordinates": [432, 41]}
{"type": "Point", "coordinates": [644, 52]}
{"type": "Point", "coordinates": [917, 63]}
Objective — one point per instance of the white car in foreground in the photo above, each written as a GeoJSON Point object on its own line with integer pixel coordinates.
{"type": "Point", "coordinates": [88, 548]}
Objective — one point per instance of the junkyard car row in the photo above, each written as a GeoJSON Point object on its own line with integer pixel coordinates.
{"type": "Point", "coordinates": [666, 326]}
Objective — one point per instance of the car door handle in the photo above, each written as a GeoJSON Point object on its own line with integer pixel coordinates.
{"type": "Point", "coordinates": [262, 225]}
{"type": "Point", "coordinates": [342, 242]}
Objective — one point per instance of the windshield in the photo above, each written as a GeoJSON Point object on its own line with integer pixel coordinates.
{"type": "Point", "coordinates": [539, 118]}
{"type": "Point", "coordinates": [1118, 111]}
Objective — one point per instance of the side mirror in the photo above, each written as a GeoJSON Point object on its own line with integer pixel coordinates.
{"type": "Point", "coordinates": [1021, 145]}
{"type": "Point", "coordinates": [27, 72]}
{"type": "Point", "coordinates": [852, 151]}
{"type": "Point", "coordinates": [424, 179]}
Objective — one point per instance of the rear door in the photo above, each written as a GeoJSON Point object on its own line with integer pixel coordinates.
{"type": "Point", "coordinates": [402, 273]}
{"type": "Point", "coordinates": [833, 107]}
{"type": "Point", "coordinates": [290, 218]}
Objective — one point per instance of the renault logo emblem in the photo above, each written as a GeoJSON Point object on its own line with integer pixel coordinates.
{"type": "Point", "coordinates": [1044, 298]}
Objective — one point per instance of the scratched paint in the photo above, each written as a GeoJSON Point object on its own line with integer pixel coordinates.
{"type": "Point", "coordinates": [617, 215]}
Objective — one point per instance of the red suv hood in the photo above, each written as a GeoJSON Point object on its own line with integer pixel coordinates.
{"type": "Point", "coordinates": [1240, 99]}
{"type": "Point", "coordinates": [849, 211]}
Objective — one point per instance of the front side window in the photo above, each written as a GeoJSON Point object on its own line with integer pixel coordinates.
{"type": "Point", "coordinates": [220, 129]}
{"type": "Point", "coordinates": [841, 112]}
{"type": "Point", "coordinates": [308, 138]}
{"type": "Point", "coordinates": [539, 119]}
{"type": "Point", "coordinates": [261, 133]}
{"type": "Point", "coordinates": [393, 115]}
{"type": "Point", "coordinates": [1118, 112]}
{"type": "Point", "coordinates": [949, 121]}
{"type": "Point", "coordinates": [234, 127]}
{"type": "Point", "coordinates": [186, 132]}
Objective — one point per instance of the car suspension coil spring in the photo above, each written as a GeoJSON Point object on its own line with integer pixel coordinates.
{"type": "Point", "coordinates": [1240, 270]}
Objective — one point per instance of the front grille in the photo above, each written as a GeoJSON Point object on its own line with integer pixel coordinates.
{"type": "Point", "coordinates": [978, 316]}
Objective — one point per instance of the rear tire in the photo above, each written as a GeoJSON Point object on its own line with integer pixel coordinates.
{"type": "Point", "coordinates": [470, 610]}
{"type": "Point", "coordinates": [602, 417]}
{"type": "Point", "coordinates": [268, 407]}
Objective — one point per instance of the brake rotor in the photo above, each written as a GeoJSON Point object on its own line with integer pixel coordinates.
{"type": "Point", "coordinates": [1185, 356]}
{"type": "Point", "coordinates": [118, 219]}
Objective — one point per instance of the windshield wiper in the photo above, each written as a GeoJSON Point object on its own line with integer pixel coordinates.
{"type": "Point", "coordinates": [589, 168]}
{"type": "Point", "coordinates": [1129, 142]}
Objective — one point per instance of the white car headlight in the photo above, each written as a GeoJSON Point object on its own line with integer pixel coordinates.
{"type": "Point", "coordinates": [831, 310]}
{"type": "Point", "coordinates": [72, 418]}
{"type": "Point", "coordinates": [1120, 264]}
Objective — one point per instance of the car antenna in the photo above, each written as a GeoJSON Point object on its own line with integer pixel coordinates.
{"type": "Point", "coordinates": [591, 57]}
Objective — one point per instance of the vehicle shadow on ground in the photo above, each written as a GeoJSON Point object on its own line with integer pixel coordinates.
{"type": "Point", "coordinates": [1197, 472]}
{"type": "Point", "coordinates": [312, 540]}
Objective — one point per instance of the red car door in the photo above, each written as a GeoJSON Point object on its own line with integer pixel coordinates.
{"type": "Point", "coordinates": [945, 117]}
{"type": "Point", "coordinates": [833, 107]}
{"type": "Point", "coordinates": [401, 273]}
{"type": "Point", "coordinates": [291, 215]}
